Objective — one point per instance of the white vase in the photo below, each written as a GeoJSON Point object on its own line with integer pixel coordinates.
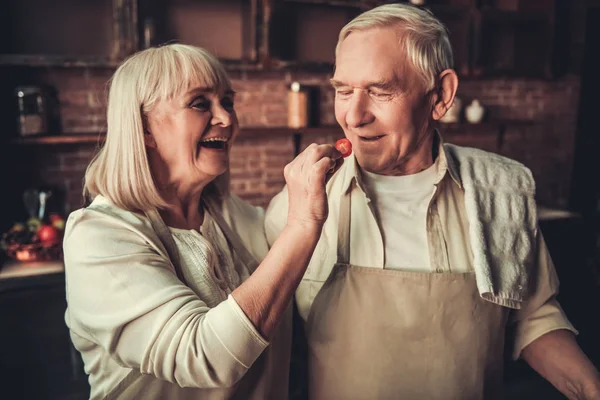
{"type": "Point", "coordinates": [474, 112]}
{"type": "Point", "coordinates": [453, 113]}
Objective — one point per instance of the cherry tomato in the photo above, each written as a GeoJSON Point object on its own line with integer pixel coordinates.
{"type": "Point", "coordinates": [344, 146]}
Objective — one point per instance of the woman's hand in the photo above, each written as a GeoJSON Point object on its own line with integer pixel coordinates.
{"type": "Point", "coordinates": [306, 177]}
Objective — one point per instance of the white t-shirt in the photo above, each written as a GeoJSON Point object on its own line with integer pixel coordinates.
{"type": "Point", "coordinates": [401, 204]}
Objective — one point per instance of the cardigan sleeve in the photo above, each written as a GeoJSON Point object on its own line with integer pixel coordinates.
{"type": "Point", "coordinates": [124, 295]}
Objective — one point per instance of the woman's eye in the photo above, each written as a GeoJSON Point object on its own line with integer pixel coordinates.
{"type": "Point", "coordinates": [227, 103]}
{"type": "Point", "coordinates": [201, 105]}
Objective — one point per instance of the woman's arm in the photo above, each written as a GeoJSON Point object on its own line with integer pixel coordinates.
{"type": "Point", "coordinates": [266, 294]}
{"type": "Point", "coordinates": [124, 296]}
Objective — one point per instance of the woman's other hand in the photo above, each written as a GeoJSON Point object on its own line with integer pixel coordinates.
{"type": "Point", "coordinates": [306, 177]}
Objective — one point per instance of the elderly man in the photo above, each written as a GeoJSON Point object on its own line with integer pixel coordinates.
{"type": "Point", "coordinates": [430, 250]}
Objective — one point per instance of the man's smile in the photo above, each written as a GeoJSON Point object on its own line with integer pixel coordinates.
{"type": "Point", "coordinates": [370, 138]}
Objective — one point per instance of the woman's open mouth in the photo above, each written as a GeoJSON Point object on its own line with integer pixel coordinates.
{"type": "Point", "coordinates": [214, 143]}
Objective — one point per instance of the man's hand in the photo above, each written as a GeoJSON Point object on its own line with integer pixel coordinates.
{"type": "Point", "coordinates": [558, 358]}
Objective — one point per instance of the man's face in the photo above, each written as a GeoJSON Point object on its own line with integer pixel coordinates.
{"type": "Point", "coordinates": [381, 103]}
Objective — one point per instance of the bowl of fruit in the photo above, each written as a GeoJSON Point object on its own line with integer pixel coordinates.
{"type": "Point", "coordinates": [35, 239]}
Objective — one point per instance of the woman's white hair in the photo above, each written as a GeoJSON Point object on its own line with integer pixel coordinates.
{"type": "Point", "coordinates": [120, 170]}
{"type": "Point", "coordinates": [424, 37]}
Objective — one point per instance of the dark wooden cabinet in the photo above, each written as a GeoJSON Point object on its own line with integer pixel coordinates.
{"type": "Point", "coordinates": [305, 33]}
{"type": "Point", "coordinates": [489, 37]}
{"type": "Point", "coordinates": [66, 32]}
{"type": "Point", "coordinates": [228, 28]}
{"type": "Point", "coordinates": [510, 38]}
{"type": "Point", "coordinates": [37, 359]}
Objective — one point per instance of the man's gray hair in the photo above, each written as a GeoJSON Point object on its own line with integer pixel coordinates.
{"type": "Point", "coordinates": [424, 37]}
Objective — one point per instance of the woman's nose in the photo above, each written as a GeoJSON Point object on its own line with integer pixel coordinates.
{"type": "Point", "coordinates": [220, 116]}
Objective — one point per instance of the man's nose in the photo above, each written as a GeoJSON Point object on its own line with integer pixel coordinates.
{"type": "Point", "coordinates": [358, 110]}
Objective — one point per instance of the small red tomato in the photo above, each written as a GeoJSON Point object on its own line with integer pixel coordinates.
{"type": "Point", "coordinates": [344, 146]}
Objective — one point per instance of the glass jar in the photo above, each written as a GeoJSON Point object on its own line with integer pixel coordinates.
{"type": "Point", "coordinates": [32, 111]}
{"type": "Point", "coordinates": [297, 106]}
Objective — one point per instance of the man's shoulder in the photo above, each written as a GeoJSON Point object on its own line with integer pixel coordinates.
{"type": "Point", "coordinates": [480, 165]}
{"type": "Point", "coordinates": [483, 156]}
{"type": "Point", "coordinates": [240, 208]}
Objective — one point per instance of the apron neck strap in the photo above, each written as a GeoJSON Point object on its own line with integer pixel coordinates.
{"type": "Point", "coordinates": [343, 242]}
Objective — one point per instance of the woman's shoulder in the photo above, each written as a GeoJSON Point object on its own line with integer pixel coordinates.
{"type": "Point", "coordinates": [104, 222]}
{"type": "Point", "coordinates": [103, 211]}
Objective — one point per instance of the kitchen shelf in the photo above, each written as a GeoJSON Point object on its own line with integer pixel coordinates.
{"type": "Point", "coordinates": [32, 60]}
{"type": "Point", "coordinates": [45, 61]}
{"type": "Point", "coordinates": [513, 17]}
{"type": "Point", "coordinates": [451, 128]}
{"type": "Point", "coordinates": [333, 3]}
{"type": "Point", "coordinates": [448, 10]}
{"type": "Point", "coordinates": [244, 133]}
{"type": "Point", "coordinates": [466, 127]}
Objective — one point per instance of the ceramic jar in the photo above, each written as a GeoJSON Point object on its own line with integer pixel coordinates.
{"type": "Point", "coordinates": [474, 112]}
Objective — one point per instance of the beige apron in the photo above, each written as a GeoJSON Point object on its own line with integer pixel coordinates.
{"type": "Point", "coordinates": [384, 334]}
{"type": "Point", "coordinates": [139, 386]}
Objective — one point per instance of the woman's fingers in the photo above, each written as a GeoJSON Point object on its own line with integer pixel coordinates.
{"type": "Point", "coordinates": [306, 177]}
{"type": "Point", "coordinates": [314, 153]}
{"type": "Point", "coordinates": [303, 163]}
{"type": "Point", "coordinates": [319, 171]}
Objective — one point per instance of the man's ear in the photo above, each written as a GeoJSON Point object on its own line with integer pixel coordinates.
{"type": "Point", "coordinates": [445, 93]}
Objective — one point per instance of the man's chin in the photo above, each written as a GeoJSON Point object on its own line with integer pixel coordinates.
{"type": "Point", "coordinates": [369, 164]}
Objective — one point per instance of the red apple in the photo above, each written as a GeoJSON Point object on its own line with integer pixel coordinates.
{"type": "Point", "coordinates": [57, 221]}
{"type": "Point", "coordinates": [48, 234]}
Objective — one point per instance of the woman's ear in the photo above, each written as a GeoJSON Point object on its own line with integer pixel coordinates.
{"type": "Point", "coordinates": [149, 139]}
{"type": "Point", "coordinates": [445, 93]}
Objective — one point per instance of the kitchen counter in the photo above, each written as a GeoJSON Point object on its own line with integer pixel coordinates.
{"type": "Point", "coordinates": [16, 275]}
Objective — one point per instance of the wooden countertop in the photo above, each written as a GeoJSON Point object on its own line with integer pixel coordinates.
{"type": "Point", "coordinates": [16, 269]}
{"type": "Point", "coordinates": [19, 276]}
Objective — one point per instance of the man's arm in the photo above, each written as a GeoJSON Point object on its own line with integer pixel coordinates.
{"type": "Point", "coordinates": [559, 359]}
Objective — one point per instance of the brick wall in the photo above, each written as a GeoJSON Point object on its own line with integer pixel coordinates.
{"type": "Point", "coordinates": [545, 144]}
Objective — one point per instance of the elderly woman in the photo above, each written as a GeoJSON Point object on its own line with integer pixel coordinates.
{"type": "Point", "coordinates": [166, 295]}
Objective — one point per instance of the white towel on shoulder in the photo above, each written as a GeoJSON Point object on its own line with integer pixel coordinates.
{"type": "Point", "coordinates": [501, 210]}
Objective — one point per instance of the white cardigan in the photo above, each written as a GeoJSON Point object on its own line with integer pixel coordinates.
{"type": "Point", "coordinates": [128, 310]}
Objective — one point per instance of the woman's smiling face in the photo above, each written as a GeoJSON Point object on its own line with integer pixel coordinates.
{"type": "Point", "coordinates": [192, 134]}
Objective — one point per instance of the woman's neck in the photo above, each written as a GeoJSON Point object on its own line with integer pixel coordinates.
{"type": "Point", "coordinates": [184, 210]}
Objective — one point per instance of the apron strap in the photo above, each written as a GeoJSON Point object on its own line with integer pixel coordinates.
{"type": "Point", "coordinates": [343, 243]}
{"type": "Point", "coordinates": [232, 237]}
{"type": "Point", "coordinates": [125, 383]}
